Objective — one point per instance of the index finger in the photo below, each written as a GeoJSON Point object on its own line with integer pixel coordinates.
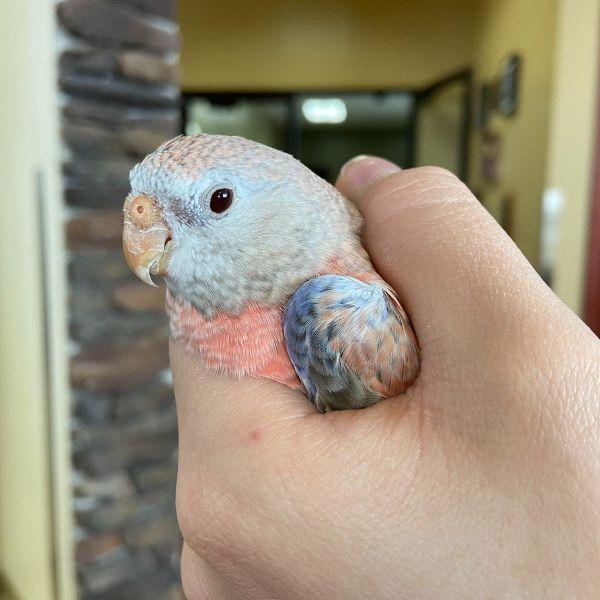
{"type": "Point", "coordinates": [459, 274]}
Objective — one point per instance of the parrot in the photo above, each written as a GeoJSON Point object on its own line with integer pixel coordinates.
{"type": "Point", "coordinates": [265, 272]}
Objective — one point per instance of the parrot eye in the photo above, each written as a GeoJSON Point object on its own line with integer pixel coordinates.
{"type": "Point", "coordinates": [221, 200]}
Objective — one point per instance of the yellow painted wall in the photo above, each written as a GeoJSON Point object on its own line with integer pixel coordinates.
{"type": "Point", "coordinates": [35, 516]}
{"type": "Point", "coordinates": [572, 133]}
{"type": "Point", "coordinates": [25, 534]}
{"type": "Point", "coordinates": [287, 44]}
{"type": "Point", "coordinates": [528, 28]}
{"type": "Point", "coordinates": [291, 44]}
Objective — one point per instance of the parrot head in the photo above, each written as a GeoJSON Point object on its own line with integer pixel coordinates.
{"type": "Point", "coordinates": [227, 221]}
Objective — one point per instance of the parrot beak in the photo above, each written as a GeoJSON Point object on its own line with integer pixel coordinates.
{"type": "Point", "coordinates": [147, 252]}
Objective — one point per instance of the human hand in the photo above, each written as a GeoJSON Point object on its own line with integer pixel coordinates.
{"type": "Point", "coordinates": [482, 481]}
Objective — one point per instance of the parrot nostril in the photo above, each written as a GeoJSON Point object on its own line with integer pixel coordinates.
{"type": "Point", "coordinates": [143, 212]}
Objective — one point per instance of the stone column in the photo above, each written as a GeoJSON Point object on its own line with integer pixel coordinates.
{"type": "Point", "coordinates": [118, 75]}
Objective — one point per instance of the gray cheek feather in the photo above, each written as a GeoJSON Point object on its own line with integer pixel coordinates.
{"type": "Point", "coordinates": [263, 260]}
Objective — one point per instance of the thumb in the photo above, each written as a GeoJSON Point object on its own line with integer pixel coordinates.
{"type": "Point", "coordinates": [461, 277]}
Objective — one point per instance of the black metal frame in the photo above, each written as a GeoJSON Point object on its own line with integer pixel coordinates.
{"type": "Point", "coordinates": [466, 77]}
{"type": "Point", "coordinates": [294, 142]}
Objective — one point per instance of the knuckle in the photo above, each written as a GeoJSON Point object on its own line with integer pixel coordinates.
{"type": "Point", "coordinates": [423, 189]}
{"type": "Point", "coordinates": [441, 186]}
{"type": "Point", "coordinates": [439, 173]}
{"type": "Point", "coordinates": [189, 574]}
{"type": "Point", "coordinates": [197, 581]}
{"type": "Point", "coordinates": [205, 514]}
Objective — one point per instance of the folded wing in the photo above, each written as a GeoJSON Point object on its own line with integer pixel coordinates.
{"type": "Point", "coordinates": [350, 342]}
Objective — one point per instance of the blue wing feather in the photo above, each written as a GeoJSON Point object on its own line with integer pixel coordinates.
{"type": "Point", "coordinates": [332, 323]}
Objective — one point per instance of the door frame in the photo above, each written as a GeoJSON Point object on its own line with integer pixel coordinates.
{"type": "Point", "coordinates": [466, 78]}
{"type": "Point", "coordinates": [591, 310]}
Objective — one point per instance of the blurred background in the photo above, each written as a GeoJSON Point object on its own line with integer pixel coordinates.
{"type": "Point", "coordinates": [501, 92]}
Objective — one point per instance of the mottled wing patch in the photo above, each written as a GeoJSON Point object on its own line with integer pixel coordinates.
{"type": "Point", "coordinates": [349, 341]}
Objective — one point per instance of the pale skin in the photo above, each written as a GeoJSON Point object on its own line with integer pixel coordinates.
{"type": "Point", "coordinates": [482, 481]}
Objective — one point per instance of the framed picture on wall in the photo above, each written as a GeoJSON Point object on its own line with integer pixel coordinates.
{"type": "Point", "coordinates": [508, 87]}
{"type": "Point", "coordinates": [491, 157]}
{"type": "Point", "coordinates": [485, 104]}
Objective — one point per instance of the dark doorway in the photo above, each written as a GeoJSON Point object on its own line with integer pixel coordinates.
{"type": "Point", "coordinates": [325, 129]}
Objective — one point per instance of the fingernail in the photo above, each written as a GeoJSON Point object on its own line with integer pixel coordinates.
{"type": "Point", "coordinates": [364, 170]}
